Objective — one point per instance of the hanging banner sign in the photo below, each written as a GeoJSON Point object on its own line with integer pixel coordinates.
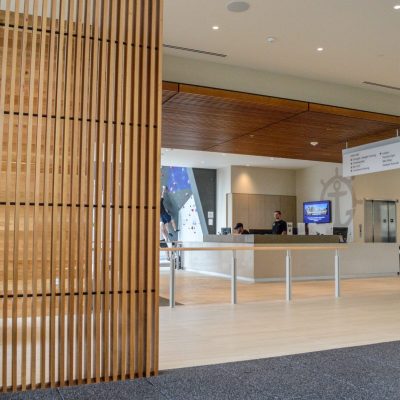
{"type": "Point", "coordinates": [372, 157]}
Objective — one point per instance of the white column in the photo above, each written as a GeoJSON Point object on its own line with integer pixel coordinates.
{"type": "Point", "coordinates": [288, 275]}
{"type": "Point", "coordinates": [337, 273]}
{"type": "Point", "coordinates": [234, 279]}
{"type": "Point", "coordinates": [172, 281]}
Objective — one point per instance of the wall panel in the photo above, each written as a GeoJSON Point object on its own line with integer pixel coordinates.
{"type": "Point", "coordinates": [80, 110]}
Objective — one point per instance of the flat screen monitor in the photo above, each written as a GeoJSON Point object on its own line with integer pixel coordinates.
{"type": "Point", "coordinates": [226, 231]}
{"type": "Point", "coordinates": [317, 212]}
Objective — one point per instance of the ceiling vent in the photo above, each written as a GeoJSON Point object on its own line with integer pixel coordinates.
{"type": "Point", "coordinates": [381, 85]}
{"type": "Point", "coordinates": [238, 6]}
{"type": "Point", "coordinates": [208, 53]}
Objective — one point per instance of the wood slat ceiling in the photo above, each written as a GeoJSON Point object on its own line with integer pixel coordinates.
{"type": "Point", "coordinates": [199, 118]}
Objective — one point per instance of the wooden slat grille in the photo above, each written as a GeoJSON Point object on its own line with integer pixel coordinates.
{"type": "Point", "coordinates": [80, 113]}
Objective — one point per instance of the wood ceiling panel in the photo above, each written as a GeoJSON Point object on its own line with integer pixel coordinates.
{"type": "Point", "coordinates": [205, 117]}
{"type": "Point", "coordinates": [223, 121]}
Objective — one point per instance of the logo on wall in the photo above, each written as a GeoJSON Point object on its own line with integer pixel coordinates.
{"type": "Point", "coordinates": [339, 190]}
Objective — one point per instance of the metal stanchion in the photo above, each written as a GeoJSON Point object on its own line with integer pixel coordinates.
{"type": "Point", "coordinates": [288, 275]}
{"type": "Point", "coordinates": [337, 273]}
{"type": "Point", "coordinates": [172, 281]}
{"type": "Point", "coordinates": [234, 278]}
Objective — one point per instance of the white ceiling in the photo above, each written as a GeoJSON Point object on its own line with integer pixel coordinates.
{"type": "Point", "coordinates": [361, 38]}
{"type": "Point", "coordinates": [206, 159]}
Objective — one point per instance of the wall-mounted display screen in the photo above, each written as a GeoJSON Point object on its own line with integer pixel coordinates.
{"type": "Point", "coordinates": [317, 212]}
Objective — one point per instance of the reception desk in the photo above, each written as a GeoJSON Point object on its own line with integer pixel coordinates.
{"type": "Point", "coordinates": [357, 259]}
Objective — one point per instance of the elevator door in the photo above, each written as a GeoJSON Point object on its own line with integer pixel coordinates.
{"type": "Point", "coordinates": [380, 221]}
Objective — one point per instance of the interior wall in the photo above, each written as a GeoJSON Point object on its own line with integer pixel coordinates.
{"type": "Point", "coordinates": [376, 186]}
{"type": "Point", "coordinates": [325, 182]}
{"type": "Point", "coordinates": [219, 75]}
{"type": "Point", "coordinates": [256, 180]}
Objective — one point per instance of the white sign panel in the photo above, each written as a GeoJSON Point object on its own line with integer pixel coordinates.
{"type": "Point", "coordinates": [373, 157]}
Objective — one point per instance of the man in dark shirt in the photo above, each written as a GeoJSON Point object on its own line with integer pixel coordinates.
{"type": "Point", "coordinates": [279, 227]}
{"type": "Point", "coordinates": [240, 230]}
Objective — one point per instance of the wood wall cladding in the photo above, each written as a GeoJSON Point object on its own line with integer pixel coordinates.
{"type": "Point", "coordinates": [80, 116]}
{"type": "Point", "coordinates": [200, 118]}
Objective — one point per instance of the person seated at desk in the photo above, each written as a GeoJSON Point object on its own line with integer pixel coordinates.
{"type": "Point", "coordinates": [279, 227]}
{"type": "Point", "coordinates": [238, 229]}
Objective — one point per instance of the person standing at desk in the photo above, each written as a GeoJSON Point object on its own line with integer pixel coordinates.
{"type": "Point", "coordinates": [238, 229]}
{"type": "Point", "coordinates": [279, 227]}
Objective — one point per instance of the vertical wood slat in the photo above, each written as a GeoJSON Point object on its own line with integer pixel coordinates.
{"type": "Point", "coordinates": [91, 259]}
{"type": "Point", "coordinates": [83, 265]}
{"type": "Point", "coordinates": [143, 256]}
{"type": "Point", "coordinates": [51, 65]}
{"type": "Point", "coordinates": [94, 184]}
{"type": "Point", "coordinates": [99, 361]}
{"type": "Point", "coordinates": [65, 260]}
{"type": "Point", "coordinates": [73, 317]}
{"type": "Point", "coordinates": [127, 158]}
{"type": "Point", "coordinates": [108, 234]}
{"type": "Point", "coordinates": [55, 238]}
{"type": "Point", "coordinates": [116, 190]}
{"type": "Point", "coordinates": [134, 254]}
{"type": "Point", "coordinates": [151, 201]}
{"type": "Point", "coordinates": [16, 271]}
{"type": "Point", "coordinates": [32, 70]}
{"type": "Point", "coordinates": [4, 55]}
{"type": "Point", "coordinates": [158, 116]}
{"type": "Point", "coordinates": [37, 194]}
{"type": "Point", "coordinates": [8, 205]}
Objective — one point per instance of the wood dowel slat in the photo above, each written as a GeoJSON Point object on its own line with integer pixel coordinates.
{"type": "Point", "coordinates": [56, 264]}
{"type": "Point", "coordinates": [4, 55]}
{"type": "Point", "coordinates": [24, 336]}
{"type": "Point", "coordinates": [80, 102]}
{"type": "Point", "coordinates": [99, 252]}
{"type": "Point", "coordinates": [127, 158]}
{"type": "Point", "coordinates": [134, 228]}
{"type": "Point", "coordinates": [11, 248]}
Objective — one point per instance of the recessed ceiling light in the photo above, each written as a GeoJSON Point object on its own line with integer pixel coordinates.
{"type": "Point", "coordinates": [215, 27]}
{"type": "Point", "coordinates": [320, 49]}
{"type": "Point", "coordinates": [238, 6]}
{"type": "Point", "coordinates": [314, 144]}
{"type": "Point", "coordinates": [271, 39]}
{"type": "Point", "coordinates": [397, 7]}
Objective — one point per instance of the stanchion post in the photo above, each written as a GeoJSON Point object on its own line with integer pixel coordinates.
{"type": "Point", "coordinates": [288, 275]}
{"type": "Point", "coordinates": [172, 281]}
{"type": "Point", "coordinates": [337, 273]}
{"type": "Point", "coordinates": [234, 278]}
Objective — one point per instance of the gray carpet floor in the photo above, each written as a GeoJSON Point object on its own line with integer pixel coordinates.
{"type": "Point", "coordinates": [365, 372]}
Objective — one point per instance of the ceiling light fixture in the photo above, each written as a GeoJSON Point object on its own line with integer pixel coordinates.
{"type": "Point", "coordinates": [314, 144]}
{"type": "Point", "coordinates": [215, 27]}
{"type": "Point", "coordinates": [238, 6]}
{"type": "Point", "coordinates": [397, 7]}
{"type": "Point", "coordinates": [320, 49]}
{"type": "Point", "coordinates": [271, 39]}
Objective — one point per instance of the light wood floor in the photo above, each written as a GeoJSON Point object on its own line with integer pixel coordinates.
{"type": "Point", "coordinates": [209, 330]}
